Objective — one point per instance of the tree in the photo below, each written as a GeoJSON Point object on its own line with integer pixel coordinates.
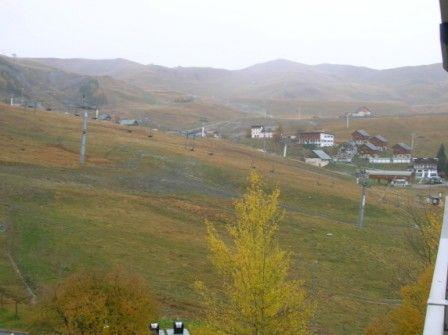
{"type": "Point", "coordinates": [254, 296]}
{"type": "Point", "coordinates": [97, 303]}
{"type": "Point", "coordinates": [278, 134]}
{"type": "Point", "coordinates": [442, 164]}
{"type": "Point", "coordinates": [407, 318]}
{"type": "Point", "coordinates": [425, 233]}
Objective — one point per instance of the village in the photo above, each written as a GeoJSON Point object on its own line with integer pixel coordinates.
{"type": "Point", "coordinates": [386, 163]}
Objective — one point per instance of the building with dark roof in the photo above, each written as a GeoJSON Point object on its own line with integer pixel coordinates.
{"type": "Point", "coordinates": [360, 136]}
{"type": "Point", "coordinates": [402, 150]}
{"type": "Point", "coordinates": [368, 150]}
{"type": "Point", "coordinates": [379, 141]}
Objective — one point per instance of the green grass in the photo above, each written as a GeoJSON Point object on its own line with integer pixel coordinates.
{"type": "Point", "coordinates": [140, 203]}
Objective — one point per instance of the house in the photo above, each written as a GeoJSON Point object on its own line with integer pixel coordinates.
{"type": "Point", "coordinates": [318, 158]}
{"type": "Point", "coordinates": [317, 138]}
{"type": "Point", "coordinates": [129, 122]}
{"type": "Point", "coordinates": [368, 150]}
{"type": "Point", "coordinates": [402, 151]}
{"type": "Point", "coordinates": [261, 132]}
{"type": "Point", "coordinates": [425, 168]}
{"type": "Point", "coordinates": [379, 141]}
{"type": "Point", "coordinates": [389, 175]}
{"type": "Point", "coordinates": [360, 136]}
{"type": "Point", "coordinates": [104, 117]}
{"type": "Point", "coordinates": [361, 112]}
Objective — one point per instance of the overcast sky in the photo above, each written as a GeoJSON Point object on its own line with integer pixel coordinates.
{"type": "Point", "coordinates": [225, 33]}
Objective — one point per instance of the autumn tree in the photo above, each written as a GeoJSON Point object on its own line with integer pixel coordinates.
{"type": "Point", "coordinates": [255, 296]}
{"type": "Point", "coordinates": [407, 318]}
{"type": "Point", "coordinates": [278, 134]}
{"type": "Point", "coordinates": [425, 232]}
{"type": "Point", "coordinates": [92, 303]}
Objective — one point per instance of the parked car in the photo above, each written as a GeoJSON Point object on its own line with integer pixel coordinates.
{"type": "Point", "coordinates": [435, 180]}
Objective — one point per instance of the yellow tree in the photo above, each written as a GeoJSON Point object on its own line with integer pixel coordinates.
{"type": "Point", "coordinates": [407, 318]}
{"type": "Point", "coordinates": [254, 296]}
{"type": "Point", "coordinates": [93, 303]}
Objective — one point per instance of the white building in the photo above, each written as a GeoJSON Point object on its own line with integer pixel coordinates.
{"type": "Point", "coordinates": [261, 132]}
{"type": "Point", "coordinates": [425, 168]}
{"type": "Point", "coordinates": [320, 139]}
{"type": "Point", "coordinates": [362, 112]}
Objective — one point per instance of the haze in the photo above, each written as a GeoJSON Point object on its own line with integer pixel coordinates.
{"type": "Point", "coordinates": [227, 34]}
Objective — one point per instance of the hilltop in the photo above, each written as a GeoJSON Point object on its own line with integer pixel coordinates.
{"type": "Point", "coordinates": [279, 79]}
{"type": "Point", "coordinates": [140, 203]}
{"type": "Point", "coordinates": [191, 96]}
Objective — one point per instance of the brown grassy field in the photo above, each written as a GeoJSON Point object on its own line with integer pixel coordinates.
{"type": "Point", "coordinates": [140, 202]}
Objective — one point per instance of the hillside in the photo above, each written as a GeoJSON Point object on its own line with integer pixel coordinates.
{"type": "Point", "coordinates": [280, 80]}
{"type": "Point", "coordinates": [140, 203]}
{"type": "Point", "coordinates": [60, 90]}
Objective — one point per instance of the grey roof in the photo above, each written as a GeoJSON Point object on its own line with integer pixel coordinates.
{"type": "Point", "coordinates": [322, 154]}
{"type": "Point", "coordinates": [404, 146]}
{"type": "Point", "coordinates": [129, 122]}
{"type": "Point", "coordinates": [389, 173]}
{"type": "Point", "coordinates": [362, 132]}
{"type": "Point", "coordinates": [371, 146]}
{"type": "Point", "coordinates": [381, 138]}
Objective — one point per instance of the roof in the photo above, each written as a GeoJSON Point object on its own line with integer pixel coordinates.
{"type": "Point", "coordinates": [425, 160]}
{"type": "Point", "coordinates": [321, 154]}
{"type": "Point", "coordinates": [128, 122]}
{"type": "Point", "coordinates": [257, 126]}
{"type": "Point", "coordinates": [362, 132]}
{"type": "Point", "coordinates": [315, 133]}
{"type": "Point", "coordinates": [403, 173]}
{"type": "Point", "coordinates": [371, 146]}
{"type": "Point", "coordinates": [381, 138]}
{"type": "Point", "coordinates": [404, 146]}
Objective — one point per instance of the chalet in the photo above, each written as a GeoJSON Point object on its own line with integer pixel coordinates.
{"type": "Point", "coordinates": [261, 132]}
{"type": "Point", "coordinates": [129, 122]}
{"type": "Point", "coordinates": [360, 136]}
{"type": "Point", "coordinates": [104, 117]}
{"type": "Point", "coordinates": [389, 175]}
{"type": "Point", "coordinates": [361, 112]}
{"type": "Point", "coordinates": [425, 168]}
{"type": "Point", "coordinates": [317, 138]}
{"type": "Point", "coordinates": [368, 150]}
{"type": "Point", "coordinates": [379, 141]}
{"type": "Point", "coordinates": [318, 158]}
{"type": "Point", "coordinates": [402, 151]}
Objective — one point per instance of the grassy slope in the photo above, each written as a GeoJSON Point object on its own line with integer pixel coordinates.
{"type": "Point", "coordinates": [140, 203]}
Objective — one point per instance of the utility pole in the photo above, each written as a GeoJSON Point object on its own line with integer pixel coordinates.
{"type": "Point", "coordinates": [412, 141]}
{"type": "Point", "coordinates": [348, 120]}
{"type": "Point", "coordinates": [363, 182]}
{"type": "Point", "coordinates": [82, 155]}
{"type": "Point", "coordinates": [285, 148]}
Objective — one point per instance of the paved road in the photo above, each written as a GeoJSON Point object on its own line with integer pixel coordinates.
{"type": "Point", "coordinates": [11, 332]}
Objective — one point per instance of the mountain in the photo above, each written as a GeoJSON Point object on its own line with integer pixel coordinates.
{"type": "Point", "coordinates": [62, 84]}
{"type": "Point", "coordinates": [189, 96]}
{"type": "Point", "coordinates": [278, 79]}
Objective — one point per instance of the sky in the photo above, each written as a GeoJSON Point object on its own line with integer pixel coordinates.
{"type": "Point", "coordinates": [229, 34]}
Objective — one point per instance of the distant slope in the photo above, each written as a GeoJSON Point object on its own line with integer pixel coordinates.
{"type": "Point", "coordinates": [60, 85]}
{"type": "Point", "coordinates": [280, 79]}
